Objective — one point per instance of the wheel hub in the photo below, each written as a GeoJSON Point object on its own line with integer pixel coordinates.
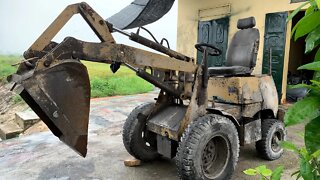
{"type": "Point", "coordinates": [215, 157]}
{"type": "Point", "coordinates": [275, 141]}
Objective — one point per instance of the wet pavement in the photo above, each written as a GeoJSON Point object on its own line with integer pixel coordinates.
{"type": "Point", "coordinates": [43, 156]}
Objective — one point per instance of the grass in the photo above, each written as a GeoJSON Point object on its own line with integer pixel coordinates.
{"type": "Point", "coordinates": [103, 81]}
{"type": "Point", "coordinates": [5, 65]}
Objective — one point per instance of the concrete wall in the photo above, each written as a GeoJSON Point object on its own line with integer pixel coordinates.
{"type": "Point", "coordinates": [190, 12]}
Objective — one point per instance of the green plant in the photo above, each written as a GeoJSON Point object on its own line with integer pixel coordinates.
{"type": "Point", "coordinates": [5, 65]}
{"type": "Point", "coordinates": [307, 110]}
{"type": "Point", "coordinates": [265, 173]}
{"type": "Point", "coordinates": [309, 166]}
{"type": "Point", "coordinates": [16, 99]}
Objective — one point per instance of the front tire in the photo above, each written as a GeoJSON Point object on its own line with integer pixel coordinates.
{"type": "Point", "coordinates": [138, 141]}
{"type": "Point", "coordinates": [273, 132]}
{"type": "Point", "coordinates": [209, 149]}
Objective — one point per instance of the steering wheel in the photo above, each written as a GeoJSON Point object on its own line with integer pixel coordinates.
{"type": "Point", "coordinates": [211, 49]}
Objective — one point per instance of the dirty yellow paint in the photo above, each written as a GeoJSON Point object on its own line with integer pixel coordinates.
{"type": "Point", "coordinates": [236, 90]}
{"type": "Point", "coordinates": [253, 93]}
{"type": "Point", "coordinates": [190, 12]}
{"type": "Point", "coordinates": [286, 63]}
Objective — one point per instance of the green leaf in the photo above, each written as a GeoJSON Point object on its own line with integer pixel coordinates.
{"type": "Point", "coordinates": [313, 4]}
{"type": "Point", "coordinates": [276, 175]}
{"type": "Point", "coordinates": [289, 146]}
{"type": "Point", "coordinates": [309, 10]}
{"type": "Point", "coordinates": [316, 154]}
{"type": "Point", "coordinates": [307, 24]}
{"type": "Point", "coordinates": [304, 110]}
{"type": "Point", "coordinates": [250, 172]}
{"type": "Point", "coordinates": [305, 154]}
{"type": "Point", "coordinates": [318, 3]}
{"type": "Point", "coordinates": [312, 135]}
{"type": "Point", "coordinates": [316, 83]}
{"type": "Point", "coordinates": [312, 39]}
{"type": "Point", "coordinates": [315, 66]}
{"type": "Point", "coordinates": [264, 170]}
{"type": "Point", "coordinates": [295, 12]}
{"type": "Point", "coordinates": [317, 56]}
{"type": "Point", "coordinates": [306, 169]}
{"type": "Point", "coordinates": [302, 86]}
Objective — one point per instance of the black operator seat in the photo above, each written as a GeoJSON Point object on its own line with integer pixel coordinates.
{"type": "Point", "coordinates": [242, 52]}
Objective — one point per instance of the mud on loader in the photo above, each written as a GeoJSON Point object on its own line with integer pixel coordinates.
{"type": "Point", "coordinates": [201, 116]}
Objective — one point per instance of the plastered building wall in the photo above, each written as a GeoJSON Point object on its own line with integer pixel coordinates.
{"type": "Point", "coordinates": [190, 12]}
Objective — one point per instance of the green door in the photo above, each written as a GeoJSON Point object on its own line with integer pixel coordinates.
{"type": "Point", "coordinates": [275, 40]}
{"type": "Point", "coordinates": [214, 32]}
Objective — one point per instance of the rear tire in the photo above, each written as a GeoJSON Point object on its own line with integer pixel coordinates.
{"type": "Point", "coordinates": [273, 131]}
{"type": "Point", "coordinates": [209, 149]}
{"type": "Point", "coordinates": [138, 141]}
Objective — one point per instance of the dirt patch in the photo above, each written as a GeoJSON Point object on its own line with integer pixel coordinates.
{"type": "Point", "coordinates": [8, 107]}
{"type": "Point", "coordinates": [38, 127]}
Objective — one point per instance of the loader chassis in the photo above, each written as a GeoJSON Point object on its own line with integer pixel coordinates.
{"type": "Point", "coordinates": [55, 84]}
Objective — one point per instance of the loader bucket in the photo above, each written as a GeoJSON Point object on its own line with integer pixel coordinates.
{"type": "Point", "coordinates": [140, 13]}
{"type": "Point", "coordinates": [60, 96]}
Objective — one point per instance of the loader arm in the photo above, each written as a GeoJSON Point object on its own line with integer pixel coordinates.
{"type": "Point", "coordinates": [55, 84]}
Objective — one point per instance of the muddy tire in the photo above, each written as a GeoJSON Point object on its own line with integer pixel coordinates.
{"type": "Point", "coordinates": [209, 149]}
{"type": "Point", "coordinates": [273, 131]}
{"type": "Point", "coordinates": [139, 142]}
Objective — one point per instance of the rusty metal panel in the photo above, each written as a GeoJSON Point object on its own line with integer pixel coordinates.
{"type": "Point", "coordinates": [269, 94]}
{"type": "Point", "coordinates": [167, 121]}
{"type": "Point", "coordinates": [224, 90]}
{"type": "Point", "coordinates": [249, 110]}
{"type": "Point", "coordinates": [234, 110]}
{"type": "Point", "coordinates": [166, 146]}
{"type": "Point", "coordinates": [252, 131]}
{"type": "Point", "coordinates": [250, 91]}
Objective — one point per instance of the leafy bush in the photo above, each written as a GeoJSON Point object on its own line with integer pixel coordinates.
{"type": "Point", "coordinates": [308, 109]}
{"type": "Point", "coordinates": [309, 166]}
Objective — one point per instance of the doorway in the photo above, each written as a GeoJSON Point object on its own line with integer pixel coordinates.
{"type": "Point", "coordinates": [274, 47]}
{"type": "Point", "coordinates": [297, 58]}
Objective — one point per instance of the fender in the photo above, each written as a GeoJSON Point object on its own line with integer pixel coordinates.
{"type": "Point", "coordinates": [222, 113]}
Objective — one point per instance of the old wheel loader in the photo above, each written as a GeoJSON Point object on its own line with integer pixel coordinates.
{"type": "Point", "coordinates": [201, 116]}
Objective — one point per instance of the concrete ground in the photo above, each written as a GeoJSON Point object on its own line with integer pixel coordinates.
{"type": "Point", "coordinates": [43, 156]}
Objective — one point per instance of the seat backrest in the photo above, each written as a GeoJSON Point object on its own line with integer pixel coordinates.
{"type": "Point", "coordinates": [244, 46]}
